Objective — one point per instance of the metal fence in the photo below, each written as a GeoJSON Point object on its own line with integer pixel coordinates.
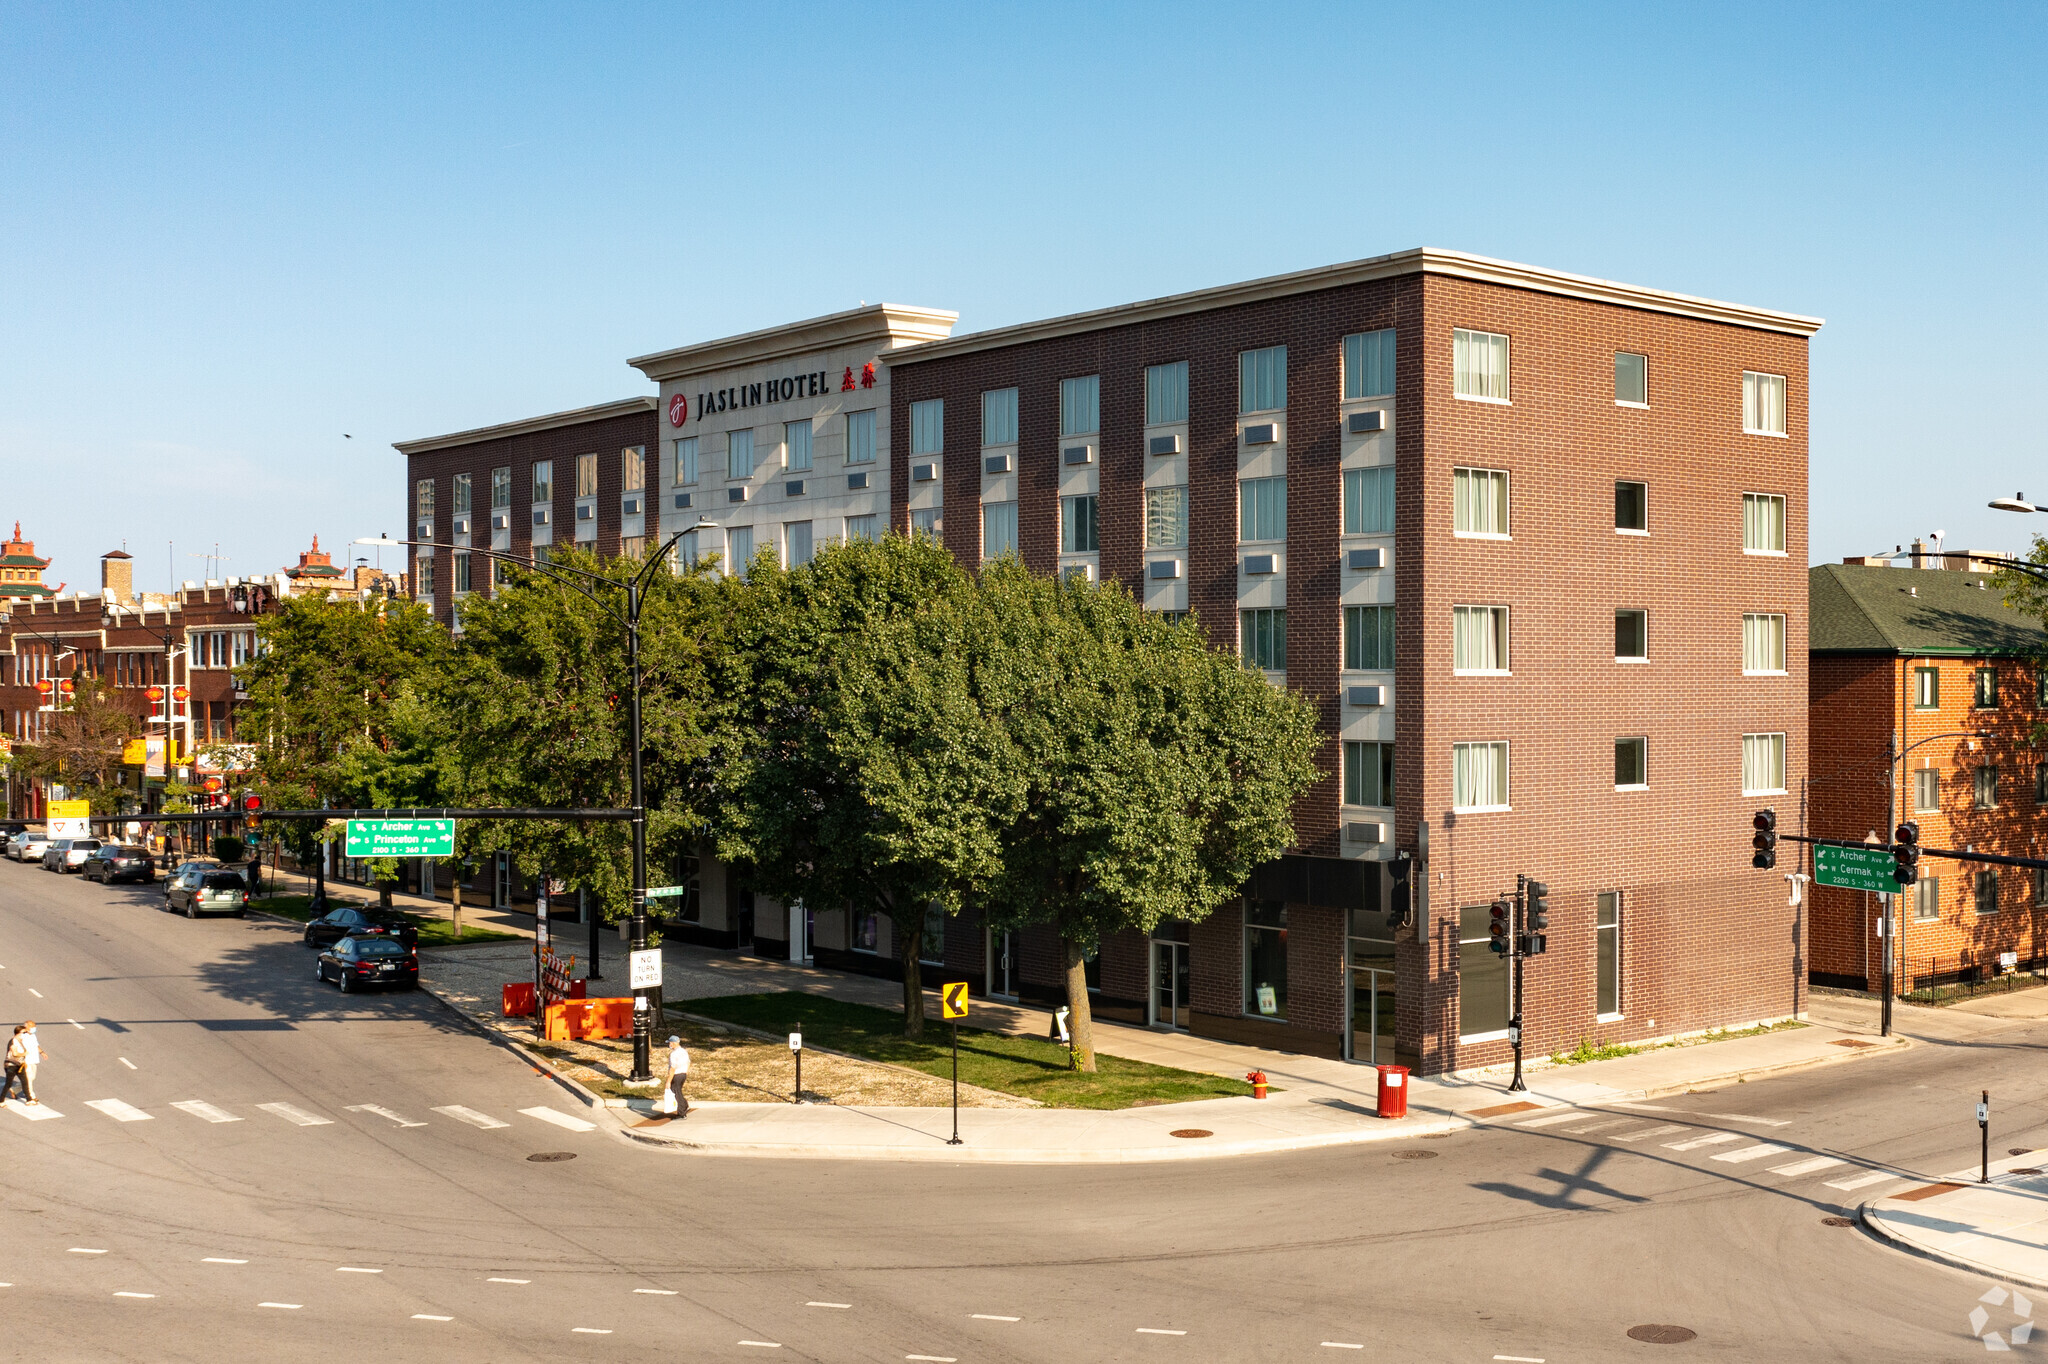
{"type": "Point", "coordinates": [1970, 972]}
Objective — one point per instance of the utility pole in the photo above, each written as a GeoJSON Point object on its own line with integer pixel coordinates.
{"type": "Point", "coordinates": [641, 1068]}
{"type": "Point", "coordinates": [1516, 1086]}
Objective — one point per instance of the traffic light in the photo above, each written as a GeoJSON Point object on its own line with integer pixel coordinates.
{"type": "Point", "coordinates": [1538, 921]}
{"type": "Point", "coordinates": [1906, 853]}
{"type": "Point", "coordinates": [1766, 840]}
{"type": "Point", "coordinates": [1497, 927]}
{"type": "Point", "coordinates": [252, 809]}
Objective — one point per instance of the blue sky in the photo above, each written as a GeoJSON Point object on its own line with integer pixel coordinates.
{"type": "Point", "coordinates": [228, 236]}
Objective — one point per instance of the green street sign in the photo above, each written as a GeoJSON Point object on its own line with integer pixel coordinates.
{"type": "Point", "coordinates": [657, 892]}
{"type": "Point", "coordinates": [1855, 868]}
{"type": "Point", "coordinates": [401, 838]}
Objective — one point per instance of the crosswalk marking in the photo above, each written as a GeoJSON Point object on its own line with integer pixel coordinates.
{"type": "Point", "coordinates": [472, 1117]}
{"type": "Point", "coordinates": [559, 1119]}
{"type": "Point", "coordinates": [1595, 1127]}
{"type": "Point", "coordinates": [298, 1116]}
{"type": "Point", "coordinates": [1861, 1181]}
{"type": "Point", "coordinates": [1552, 1119]}
{"type": "Point", "coordinates": [1662, 1131]}
{"type": "Point", "coordinates": [1807, 1167]}
{"type": "Point", "coordinates": [119, 1111]}
{"type": "Point", "coordinates": [33, 1112]}
{"type": "Point", "coordinates": [384, 1113]}
{"type": "Point", "coordinates": [1749, 1117]}
{"type": "Point", "coordinates": [1749, 1153]}
{"type": "Point", "coordinates": [1712, 1139]}
{"type": "Point", "coordinates": [200, 1109]}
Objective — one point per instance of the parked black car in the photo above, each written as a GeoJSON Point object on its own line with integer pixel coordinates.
{"type": "Point", "coordinates": [365, 920]}
{"type": "Point", "coordinates": [112, 862]}
{"type": "Point", "coordinates": [357, 960]}
{"type": "Point", "coordinates": [199, 889]}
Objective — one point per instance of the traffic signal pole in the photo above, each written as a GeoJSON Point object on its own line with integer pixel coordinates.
{"type": "Point", "coordinates": [1516, 1085]}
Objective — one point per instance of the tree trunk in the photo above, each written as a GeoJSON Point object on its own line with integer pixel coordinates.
{"type": "Point", "coordinates": [1080, 1024]}
{"type": "Point", "coordinates": [384, 893]}
{"type": "Point", "coordinates": [910, 946]}
{"type": "Point", "coordinates": [455, 896]}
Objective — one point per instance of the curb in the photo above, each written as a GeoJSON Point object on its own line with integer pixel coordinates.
{"type": "Point", "coordinates": [545, 1065]}
{"type": "Point", "coordinates": [1897, 1242]}
{"type": "Point", "coordinates": [1900, 1044]}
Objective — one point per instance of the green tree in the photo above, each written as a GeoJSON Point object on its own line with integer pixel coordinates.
{"type": "Point", "coordinates": [1161, 771]}
{"type": "Point", "coordinates": [873, 776]}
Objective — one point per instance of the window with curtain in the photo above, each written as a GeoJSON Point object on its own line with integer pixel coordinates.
{"type": "Point", "coordinates": [1986, 886]}
{"type": "Point", "coordinates": [1927, 899]}
{"type": "Point", "coordinates": [633, 469]}
{"type": "Point", "coordinates": [1262, 508]}
{"type": "Point", "coordinates": [1763, 764]}
{"type": "Point", "coordinates": [1479, 502]}
{"type": "Point", "coordinates": [860, 437]}
{"type": "Point", "coordinates": [1262, 380]}
{"type": "Point", "coordinates": [423, 498]}
{"type": "Point", "coordinates": [1368, 637]}
{"type": "Point", "coordinates": [998, 529]}
{"type": "Point", "coordinates": [687, 550]}
{"type": "Point", "coordinates": [1479, 776]}
{"type": "Point", "coordinates": [460, 562]}
{"type": "Point", "coordinates": [862, 528]}
{"type": "Point", "coordinates": [1369, 501]}
{"type": "Point", "coordinates": [796, 440]}
{"type": "Point", "coordinates": [928, 427]}
{"type": "Point", "coordinates": [999, 417]}
{"type": "Point", "coordinates": [1080, 529]}
{"type": "Point", "coordinates": [1631, 762]}
{"type": "Point", "coordinates": [1479, 365]}
{"type": "Point", "coordinates": [1166, 517]}
{"type": "Point", "coordinates": [1631, 379]}
{"type": "Point", "coordinates": [1926, 790]}
{"type": "Point", "coordinates": [543, 480]}
{"type": "Point", "coordinates": [423, 578]}
{"type": "Point", "coordinates": [1479, 639]}
{"type": "Point", "coordinates": [1265, 958]}
{"type": "Point", "coordinates": [796, 543]}
{"type": "Point", "coordinates": [926, 523]}
{"type": "Point", "coordinates": [1763, 523]}
{"type": "Point", "coordinates": [1369, 364]}
{"type": "Point", "coordinates": [1986, 778]}
{"type": "Point", "coordinates": [1482, 977]}
{"type": "Point", "coordinates": [1763, 643]}
{"type": "Point", "coordinates": [739, 453]}
{"type": "Point", "coordinates": [1262, 639]}
{"type": "Point", "coordinates": [462, 494]}
{"type": "Point", "coordinates": [1368, 774]}
{"type": "Point", "coordinates": [1166, 394]}
{"type": "Point", "coordinates": [1763, 404]}
{"type": "Point", "coordinates": [686, 462]}
{"type": "Point", "coordinates": [501, 488]}
{"type": "Point", "coordinates": [1607, 954]}
{"type": "Point", "coordinates": [1081, 405]}
{"type": "Point", "coordinates": [586, 475]}
{"type": "Point", "coordinates": [739, 548]}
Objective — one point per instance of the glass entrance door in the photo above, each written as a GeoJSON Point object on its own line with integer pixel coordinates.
{"type": "Point", "coordinates": [1369, 1034]}
{"type": "Point", "coordinates": [1170, 985]}
{"type": "Point", "coordinates": [1002, 963]}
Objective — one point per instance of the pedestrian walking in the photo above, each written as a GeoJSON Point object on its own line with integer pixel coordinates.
{"type": "Point", "coordinates": [24, 1054]}
{"type": "Point", "coordinates": [677, 1103]}
{"type": "Point", "coordinates": [13, 1072]}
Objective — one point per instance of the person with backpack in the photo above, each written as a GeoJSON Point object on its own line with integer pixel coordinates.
{"type": "Point", "coordinates": [24, 1054]}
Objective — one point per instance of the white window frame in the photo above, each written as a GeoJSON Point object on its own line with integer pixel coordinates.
{"type": "Point", "coordinates": [739, 438]}
{"type": "Point", "coordinates": [860, 436]}
{"type": "Point", "coordinates": [1928, 777]}
{"type": "Point", "coordinates": [1244, 509]}
{"type": "Point", "coordinates": [1620, 401]}
{"type": "Point", "coordinates": [928, 427]}
{"type": "Point", "coordinates": [1464, 338]}
{"type": "Point", "coordinates": [1507, 498]}
{"type": "Point", "coordinates": [1505, 785]}
{"type": "Point", "coordinates": [1155, 496]}
{"type": "Point", "coordinates": [1755, 413]}
{"type": "Point", "coordinates": [1501, 628]}
{"type": "Point", "coordinates": [1169, 380]}
{"type": "Point", "coordinates": [1262, 369]}
{"type": "Point", "coordinates": [1777, 629]}
{"type": "Point", "coordinates": [1780, 760]}
{"type": "Point", "coordinates": [1927, 900]}
{"type": "Point", "coordinates": [1644, 484]}
{"type": "Point", "coordinates": [1644, 741]}
{"type": "Point", "coordinates": [1644, 656]}
{"type": "Point", "coordinates": [795, 433]}
{"type": "Point", "coordinates": [1007, 509]}
{"type": "Point", "coordinates": [999, 416]}
{"type": "Point", "coordinates": [1782, 525]}
{"type": "Point", "coordinates": [1080, 406]}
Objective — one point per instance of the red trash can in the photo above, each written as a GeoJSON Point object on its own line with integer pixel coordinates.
{"type": "Point", "coordinates": [1393, 1091]}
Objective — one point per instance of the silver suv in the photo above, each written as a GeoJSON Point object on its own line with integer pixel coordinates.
{"type": "Point", "coordinates": [69, 854]}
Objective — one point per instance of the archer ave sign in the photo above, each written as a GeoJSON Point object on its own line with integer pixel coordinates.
{"type": "Point", "coordinates": [401, 838]}
{"type": "Point", "coordinates": [1866, 868]}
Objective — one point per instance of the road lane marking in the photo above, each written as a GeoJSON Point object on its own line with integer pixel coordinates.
{"type": "Point", "coordinates": [764, 1344]}
{"type": "Point", "coordinates": [382, 1113]}
{"type": "Point", "coordinates": [217, 1260]}
{"type": "Point", "coordinates": [283, 1306]}
{"type": "Point", "coordinates": [935, 1359]}
{"type": "Point", "coordinates": [1807, 1167]}
{"type": "Point", "coordinates": [1595, 1127]}
{"type": "Point", "coordinates": [37, 993]}
{"type": "Point", "coordinates": [990, 1316]}
{"type": "Point", "coordinates": [657, 1292]}
{"type": "Point", "coordinates": [33, 1112]}
{"type": "Point", "coordinates": [423, 1316]}
{"type": "Point", "coordinates": [508, 1281]}
{"type": "Point", "coordinates": [590, 1331]}
{"type": "Point", "coordinates": [1519, 1359]}
{"type": "Point", "coordinates": [1749, 1153]}
{"type": "Point", "coordinates": [1664, 1130]}
{"type": "Point", "coordinates": [1712, 1139]}
{"type": "Point", "coordinates": [200, 1109]}
{"type": "Point", "coordinates": [84, 1250]}
{"type": "Point", "coordinates": [351, 1269]}
{"type": "Point", "coordinates": [474, 1119]}
{"type": "Point", "coordinates": [1552, 1119]}
{"type": "Point", "coordinates": [119, 1111]}
{"type": "Point", "coordinates": [1341, 1345]}
{"type": "Point", "coordinates": [1746, 1117]}
{"type": "Point", "coordinates": [298, 1116]}
{"type": "Point", "coordinates": [76, 1024]}
{"type": "Point", "coordinates": [559, 1119]}
{"type": "Point", "coordinates": [128, 1063]}
{"type": "Point", "coordinates": [1158, 1331]}
{"type": "Point", "coordinates": [135, 1295]}
{"type": "Point", "coordinates": [1862, 1181]}
{"type": "Point", "coordinates": [843, 1306]}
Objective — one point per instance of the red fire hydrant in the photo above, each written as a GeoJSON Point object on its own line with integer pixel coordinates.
{"type": "Point", "coordinates": [1258, 1082]}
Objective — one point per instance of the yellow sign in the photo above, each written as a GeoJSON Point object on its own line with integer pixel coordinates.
{"type": "Point", "coordinates": [68, 809]}
{"type": "Point", "coordinates": [135, 752]}
{"type": "Point", "coordinates": [953, 999]}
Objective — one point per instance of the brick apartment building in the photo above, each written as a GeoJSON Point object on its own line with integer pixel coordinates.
{"type": "Point", "coordinates": [1533, 543]}
{"type": "Point", "coordinates": [1927, 692]}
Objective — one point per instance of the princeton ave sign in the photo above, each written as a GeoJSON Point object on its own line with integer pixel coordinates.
{"type": "Point", "coordinates": [1868, 868]}
{"type": "Point", "coordinates": [401, 838]}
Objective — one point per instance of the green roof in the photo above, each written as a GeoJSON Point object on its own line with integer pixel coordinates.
{"type": "Point", "coordinates": [1854, 609]}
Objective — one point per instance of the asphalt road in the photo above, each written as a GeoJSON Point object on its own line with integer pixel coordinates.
{"type": "Point", "coordinates": [392, 1225]}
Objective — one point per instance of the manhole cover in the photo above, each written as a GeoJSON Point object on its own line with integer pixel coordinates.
{"type": "Point", "coordinates": [1838, 1221]}
{"type": "Point", "coordinates": [545, 1157]}
{"type": "Point", "coordinates": [1661, 1335]}
{"type": "Point", "coordinates": [2021, 1151]}
{"type": "Point", "coordinates": [1414, 1155]}
{"type": "Point", "coordinates": [1438, 1136]}
{"type": "Point", "coordinates": [1190, 1132]}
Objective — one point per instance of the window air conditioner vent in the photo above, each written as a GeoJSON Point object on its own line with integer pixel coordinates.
{"type": "Point", "coordinates": [1078, 454]}
{"type": "Point", "coordinates": [1365, 831]}
{"type": "Point", "coordinates": [1163, 568]}
{"type": "Point", "coordinates": [684, 501]}
{"type": "Point", "coordinates": [923, 473]}
{"type": "Point", "coordinates": [793, 488]}
{"type": "Point", "coordinates": [1366, 423]}
{"type": "Point", "coordinates": [735, 494]}
{"type": "Point", "coordinates": [855, 482]}
{"type": "Point", "coordinates": [1365, 696]}
{"type": "Point", "coordinates": [1260, 563]}
{"type": "Point", "coordinates": [1265, 433]}
{"type": "Point", "coordinates": [1358, 560]}
{"type": "Point", "coordinates": [1163, 445]}
{"type": "Point", "coordinates": [995, 464]}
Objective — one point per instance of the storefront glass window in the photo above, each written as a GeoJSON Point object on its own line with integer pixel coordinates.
{"type": "Point", "coordinates": [1265, 958]}
{"type": "Point", "coordinates": [1482, 976]}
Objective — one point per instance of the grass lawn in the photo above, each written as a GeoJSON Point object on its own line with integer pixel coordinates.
{"type": "Point", "coordinates": [1027, 1066]}
{"type": "Point", "coordinates": [433, 932]}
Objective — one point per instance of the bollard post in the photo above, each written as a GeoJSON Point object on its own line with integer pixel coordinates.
{"type": "Point", "coordinates": [796, 1049]}
{"type": "Point", "coordinates": [1984, 1131]}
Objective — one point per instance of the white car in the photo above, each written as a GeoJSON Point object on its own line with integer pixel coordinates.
{"type": "Point", "coordinates": [29, 847]}
{"type": "Point", "coordinates": [69, 854]}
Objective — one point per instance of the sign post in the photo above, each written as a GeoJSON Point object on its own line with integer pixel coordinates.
{"type": "Point", "coordinates": [953, 1004]}
{"type": "Point", "coordinates": [540, 955]}
{"type": "Point", "coordinates": [1984, 1131]}
{"type": "Point", "coordinates": [796, 1049]}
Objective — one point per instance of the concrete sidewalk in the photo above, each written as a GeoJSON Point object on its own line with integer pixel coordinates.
{"type": "Point", "coordinates": [1999, 1229]}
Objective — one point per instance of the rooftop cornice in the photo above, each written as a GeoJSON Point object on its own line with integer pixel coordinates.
{"type": "Point", "coordinates": [1419, 261]}
{"type": "Point", "coordinates": [888, 324]}
{"type": "Point", "coordinates": [625, 407]}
